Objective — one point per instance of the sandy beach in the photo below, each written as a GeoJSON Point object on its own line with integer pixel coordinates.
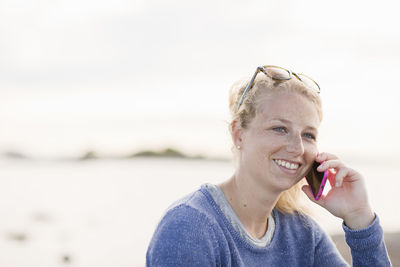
{"type": "Point", "coordinates": [392, 241]}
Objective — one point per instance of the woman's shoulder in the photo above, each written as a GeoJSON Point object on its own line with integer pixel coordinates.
{"type": "Point", "coordinates": [196, 206]}
{"type": "Point", "coordinates": [185, 233]}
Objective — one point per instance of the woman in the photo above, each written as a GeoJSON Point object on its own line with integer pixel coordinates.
{"type": "Point", "coordinates": [254, 218]}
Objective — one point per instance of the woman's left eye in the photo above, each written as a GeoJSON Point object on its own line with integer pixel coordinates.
{"type": "Point", "coordinates": [310, 136]}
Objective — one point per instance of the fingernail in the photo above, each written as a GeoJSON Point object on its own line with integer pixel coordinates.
{"type": "Point", "coordinates": [337, 184]}
{"type": "Point", "coordinates": [320, 168]}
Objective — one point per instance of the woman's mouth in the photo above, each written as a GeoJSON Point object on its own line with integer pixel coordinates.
{"type": "Point", "coordinates": [292, 166]}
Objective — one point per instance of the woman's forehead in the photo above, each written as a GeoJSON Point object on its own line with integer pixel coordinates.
{"type": "Point", "coordinates": [287, 106]}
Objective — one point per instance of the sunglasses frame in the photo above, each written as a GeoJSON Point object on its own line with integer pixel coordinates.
{"type": "Point", "coordinates": [263, 70]}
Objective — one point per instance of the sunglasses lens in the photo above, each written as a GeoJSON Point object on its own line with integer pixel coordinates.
{"type": "Point", "coordinates": [277, 73]}
{"type": "Point", "coordinates": [309, 82]}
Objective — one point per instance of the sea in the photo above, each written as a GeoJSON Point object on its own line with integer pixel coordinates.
{"type": "Point", "coordinates": [103, 212]}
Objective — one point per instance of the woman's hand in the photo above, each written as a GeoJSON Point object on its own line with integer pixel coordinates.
{"type": "Point", "coordinates": [348, 197]}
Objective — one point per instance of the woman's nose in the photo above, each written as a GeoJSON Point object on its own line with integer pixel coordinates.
{"type": "Point", "coordinates": [295, 145]}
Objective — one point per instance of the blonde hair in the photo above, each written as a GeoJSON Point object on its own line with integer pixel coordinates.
{"type": "Point", "coordinates": [292, 199]}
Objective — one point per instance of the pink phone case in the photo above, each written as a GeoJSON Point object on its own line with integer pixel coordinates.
{"type": "Point", "coordinates": [322, 186]}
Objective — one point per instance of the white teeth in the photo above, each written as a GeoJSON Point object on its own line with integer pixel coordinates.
{"type": "Point", "coordinates": [288, 165]}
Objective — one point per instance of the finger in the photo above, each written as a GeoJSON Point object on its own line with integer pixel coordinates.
{"type": "Point", "coordinates": [331, 177]}
{"type": "Point", "coordinates": [323, 156]}
{"type": "Point", "coordinates": [340, 176]}
{"type": "Point", "coordinates": [344, 173]}
{"type": "Point", "coordinates": [330, 164]}
{"type": "Point", "coordinates": [307, 190]}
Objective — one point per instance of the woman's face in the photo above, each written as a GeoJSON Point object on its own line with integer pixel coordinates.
{"type": "Point", "coordinates": [279, 145]}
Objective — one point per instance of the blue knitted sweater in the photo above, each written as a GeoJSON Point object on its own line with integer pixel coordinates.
{"type": "Point", "coordinates": [195, 232]}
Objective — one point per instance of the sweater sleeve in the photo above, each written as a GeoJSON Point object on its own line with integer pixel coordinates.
{"type": "Point", "coordinates": [326, 253]}
{"type": "Point", "coordinates": [184, 237]}
{"type": "Point", "coordinates": [367, 245]}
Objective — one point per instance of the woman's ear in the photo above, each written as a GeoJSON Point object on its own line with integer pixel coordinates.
{"type": "Point", "coordinates": [236, 131]}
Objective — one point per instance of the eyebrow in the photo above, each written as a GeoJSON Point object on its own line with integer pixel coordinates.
{"type": "Point", "coordinates": [289, 122]}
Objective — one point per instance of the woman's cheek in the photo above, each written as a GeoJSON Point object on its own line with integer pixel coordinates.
{"type": "Point", "coordinates": [311, 150]}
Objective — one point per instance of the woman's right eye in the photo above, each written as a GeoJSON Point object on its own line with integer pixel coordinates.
{"type": "Point", "coordinates": [280, 129]}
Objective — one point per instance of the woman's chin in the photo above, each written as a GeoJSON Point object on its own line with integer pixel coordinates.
{"type": "Point", "coordinates": [283, 184]}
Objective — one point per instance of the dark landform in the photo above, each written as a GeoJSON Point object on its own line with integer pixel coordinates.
{"type": "Point", "coordinates": [93, 155]}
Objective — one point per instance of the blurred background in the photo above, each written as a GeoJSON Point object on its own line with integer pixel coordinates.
{"type": "Point", "coordinates": [111, 110]}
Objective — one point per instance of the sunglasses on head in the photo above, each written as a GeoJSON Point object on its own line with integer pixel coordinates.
{"type": "Point", "coordinates": [279, 73]}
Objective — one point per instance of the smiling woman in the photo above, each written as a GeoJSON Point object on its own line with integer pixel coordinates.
{"type": "Point", "coordinates": [253, 218]}
{"type": "Point", "coordinates": [276, 111]}
{"type": "Point", "coordinates": [281, 136]}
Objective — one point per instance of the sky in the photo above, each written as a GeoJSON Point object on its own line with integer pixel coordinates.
{"type": "Point", "coordinates": [121, 76]}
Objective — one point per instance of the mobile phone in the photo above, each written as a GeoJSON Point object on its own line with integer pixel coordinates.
{"type": "Point", "coordinates": [316, 180]}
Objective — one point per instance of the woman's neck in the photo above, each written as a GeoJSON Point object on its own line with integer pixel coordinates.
{"type": "Point", "coordinates": [252, 204]}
